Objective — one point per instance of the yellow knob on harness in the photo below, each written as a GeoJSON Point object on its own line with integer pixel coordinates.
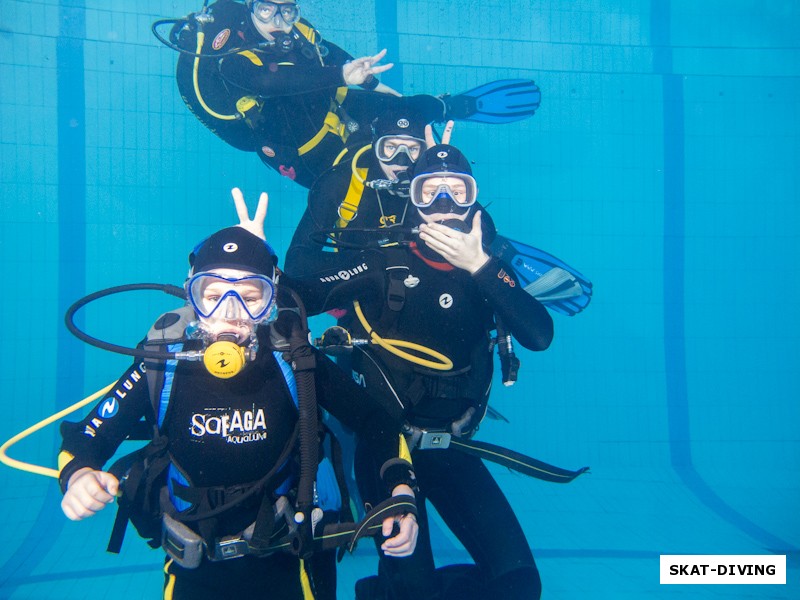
{"type": "Point", "coordinates": [224, 359]}
{"type": "Point", "coordinates": [245, 103]}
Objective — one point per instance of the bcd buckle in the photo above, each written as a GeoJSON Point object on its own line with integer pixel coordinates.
{"type": "Point", "coordinates": [226, 549]}
{"type": "Point", "coordinates": [434, 440]}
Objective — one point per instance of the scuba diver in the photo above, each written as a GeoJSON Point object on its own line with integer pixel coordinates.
{"type": "Point", "coordinates": [369, 190]}
{"type": "Point", "coordinates": [428, 304]}
{"type": "Point", "coordinates": [263, 80]}
{"type": "Point", "coordinates": [233, 470]}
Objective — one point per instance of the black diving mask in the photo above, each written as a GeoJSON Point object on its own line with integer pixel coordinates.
{"type": "Point", "coordinates": [457, 189]}
{"type": "Point", "coordinates": [392, 149]}
{"type": "Point", "coordinates": [275, 13]}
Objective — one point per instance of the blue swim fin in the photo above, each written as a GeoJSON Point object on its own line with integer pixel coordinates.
{"type": "Point", "coordinates": [550, 280]}
{"type": "Point", "coordinates": [502, 101]}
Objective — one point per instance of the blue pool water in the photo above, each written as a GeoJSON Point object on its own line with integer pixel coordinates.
{"type": "Point", "coordinates": [663, 163]}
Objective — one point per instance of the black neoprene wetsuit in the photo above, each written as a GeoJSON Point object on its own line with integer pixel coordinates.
{"type": "Point", "coordinates": [450, 311]}
{"type": "Point", "coordinates": [303, 113]}
{"type": "Point", "coordinates": [361, 207]}
{"type": "Point", "coordinates": [228, 433]}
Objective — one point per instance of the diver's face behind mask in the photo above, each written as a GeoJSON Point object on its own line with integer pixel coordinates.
{"type": "Point", "coordinates": [230, 302]}
{"type": "Point", "coordinates": [271, 17]}
{"type": "Point", "coordinates": [397, 153]}
{"type": "Point", "coordinates": [444, 196]}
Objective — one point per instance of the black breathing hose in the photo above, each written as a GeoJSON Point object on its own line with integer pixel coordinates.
{"type": "Point", "coordinates": [69, 318]}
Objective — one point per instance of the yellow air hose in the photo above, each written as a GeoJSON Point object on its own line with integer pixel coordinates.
{"type": "Point", "coordinates": [200, 39]}
{"type": "Point", "coordinates": [47, 472]}
{"type": "Point", "coordinates": [442, 363]}
{"type": "Point", "coordinates": [354, 163]}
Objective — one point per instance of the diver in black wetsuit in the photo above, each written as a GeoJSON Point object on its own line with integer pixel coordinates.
{"type": "Point", "coordinates": [224, 432]}
{"type": "Point", "coordinates": [284, 94]}
{"type": "Point", "coordinates": [442, 292]}
{"type": "Point", "coordinates": [369, 189]}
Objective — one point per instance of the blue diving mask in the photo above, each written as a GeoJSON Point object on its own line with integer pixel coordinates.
{"type": "Point", "coordinates": [249, 298]}
{"type": "Point", "coordinates": [275, 13]}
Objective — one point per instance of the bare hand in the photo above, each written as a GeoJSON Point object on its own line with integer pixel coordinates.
{"type": "Point", "coordinates": [89, 492]}
{"type": "Point", "coordinates": [446, 134]}
{"type": "Point", "coordinates": [405, 541]}
{"type": "Point", "coordinates": [357, 71]}
{"type": "Point", "coordinates": [256, 225]}
{"type": "Point", "coordinates": [462, 250]}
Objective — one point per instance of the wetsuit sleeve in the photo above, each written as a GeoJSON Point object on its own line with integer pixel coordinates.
{"type": "Point", "coordinates": [265, 76]}
{"type": "Point", "coordinates": [325, 279]}
{"type": "Point", "coordinates": [95, 439]}
{"type": "Point", "coordinates": [373, 423]}
{"type": "Point", "coordinates": [336, 55]}
{"type": "Point", "coordinates": [526, 318]}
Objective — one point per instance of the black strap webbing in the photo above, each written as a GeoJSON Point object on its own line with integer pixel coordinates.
{"type": "Point", "coordinates": [347, 534]}
{"type": "Point", "coordinates": [188, 492]}
{"type": "Point", "coordinates": [515, 461]}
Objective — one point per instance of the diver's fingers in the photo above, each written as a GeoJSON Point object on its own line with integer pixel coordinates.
{"type": "Point", "coordinates": [241, 206]}
{"type": "Point", "coordinates": [261, 209]}
{"type": "Point", "coordinates": [94, 487]}
{"type": "Point", "coordinates": [477, 230]}
{"type": "Point", "coordinates": [443, 244]}
{"type": "Point", "coordinates": [441, 232]}
{"type": "Point", "coordinates": [88, 494]}
{"type": "Point", "coordinates": [429, 141]}
{"type": "Point", "coordinates": [378, 56]}
{"type": "Point", "coordinates": [448, 132]}
{"type": "Point", "coordinates": [387, 526]}
{"type": "Point", "coordinates": [74, 510]}
{"type": "Point", "coordinates": [405, 541]}
{"type": "Point", "coordinates": [109, 483]}
{"type": "Point", "coordinates": [375, 70]}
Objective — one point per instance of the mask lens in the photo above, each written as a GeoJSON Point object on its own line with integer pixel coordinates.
{"type": "Point", "coordinates": [290, 13]}
{"type": "Point", "coordinates": [247, 298]}
{"type": "Point", "coordinates": [266, 11]}
{"type": "Point", "coordinates": [389, 147]}
{"type": "Point", "coordinates": [459, 188]}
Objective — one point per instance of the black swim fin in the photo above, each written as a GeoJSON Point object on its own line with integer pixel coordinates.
{"type": "Point", "coordinates": [548, 279]}
{"type": "Point", "coordinates": [502, 101]}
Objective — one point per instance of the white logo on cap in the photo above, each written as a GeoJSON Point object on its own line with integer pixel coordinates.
{"type": "Point", "coordinates": [403, 123]}
{"type": "Point", "coordinates": [230, 247]}
{"type": "Point", "coordinates": [442, 154]}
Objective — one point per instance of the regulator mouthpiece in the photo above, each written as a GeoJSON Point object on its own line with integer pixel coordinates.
{"type": "Point", "coordinates": [224, 358]}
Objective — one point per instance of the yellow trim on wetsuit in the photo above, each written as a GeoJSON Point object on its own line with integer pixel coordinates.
{"type": "Point", "coordinates": [332, 124]}
{"type": "Point", "coordinates": [169, 585]}
{"type": "Point", "coordinates": [305, 582]}
{"type": "Point", "coordinates": [308, 32]}
{"type": "Point", "coordinates": [64, 458]}
{"type": "Point", "coordinates": [404, 452]}
{"type": "Point", "coordinates": [252, 57]}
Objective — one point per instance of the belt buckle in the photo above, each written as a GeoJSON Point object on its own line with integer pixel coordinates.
{"type": "Point", "coordinates": [226, 549]}
{"type": "Point", "coordinates": [434, 440]}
